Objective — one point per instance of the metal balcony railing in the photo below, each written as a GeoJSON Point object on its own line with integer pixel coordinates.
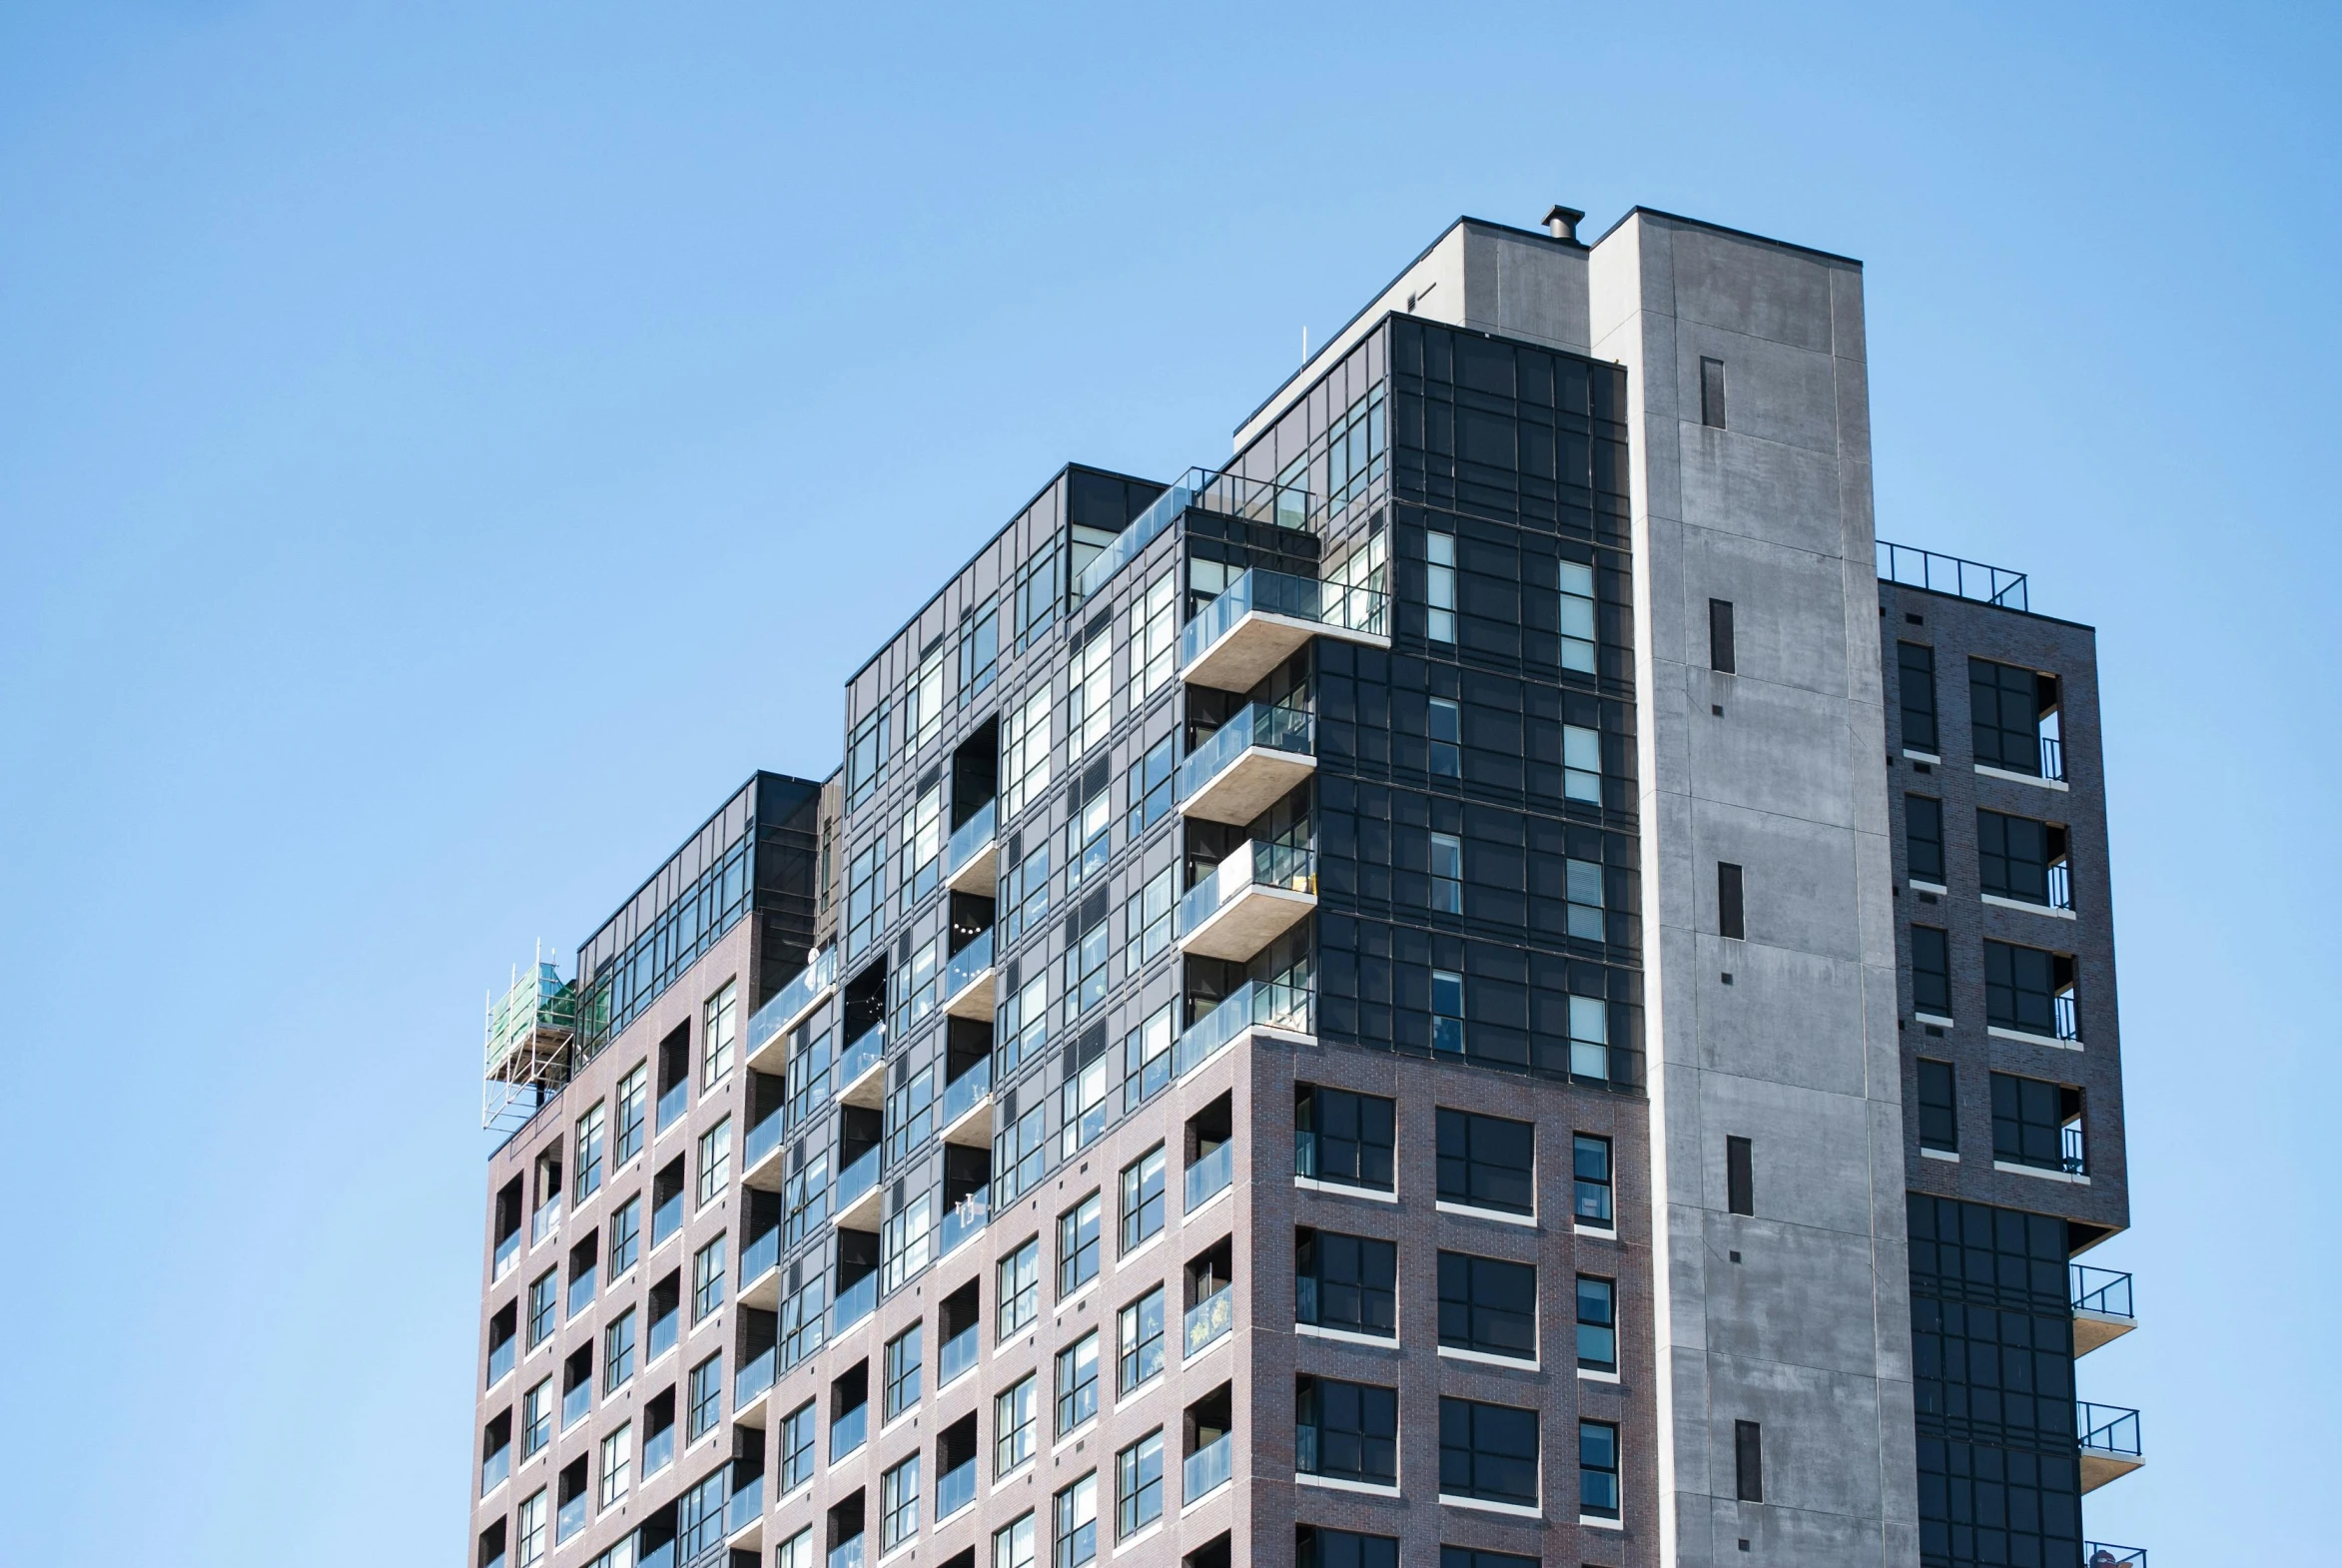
{"type": "Point", "coordinates": [2076, 1151]}
{"type": "Point", "coordinates": [2101, 1291]}
{"type": "Point", "coordinates": [2104, 1554]}
{"type": "Point", "coordinates": [1967, 580]}
{"type": "Point", "coordinates": [2053, 758]}
{"type": "Point", "coordinates": [2108, 1428]}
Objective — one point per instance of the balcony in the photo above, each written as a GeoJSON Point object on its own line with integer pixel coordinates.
{"type": "Point", "coordinates": [958, 1356]}
{"type": "Point", "coordinates": [580, 1293]}
{"type": "Point", "coordinates": [1250, 900]}
{"type": "Point", "coordinates": [860, 1083]}
{"type": "Point", "coordinates": [1208, 1320]}
{"type": "Point", "coordinates": [664, 1333]}
{"type": "Point", "coordinates": [968, 981]}
{"type": "Point", "coordinates": [2109, 1443]}
{"type": "Point", "coordinates": [674, 1100]}
{"type": "Point", "coordinates": [760, 1271]}
{"type": "Point", "coordinates": [2101, 1308]}
{"type": "Point", "coordinates": [1211, 1176]}
{"type": "Point", "coordinates": [1252, 1005]}
{"type": "Point", "coordinates": [1247, 764]}
{"type": "Point", "coordinates": [571, 1518]}
{"type": "Point", "coordinates": [963, 1220]}
{"type": "Point", "coordinates": [790, 1004]}
{"type": "Point", "coordinates": [1265, 617]}
{"type": "Point", "coordinates": [508, 1253]}
{"type": "Point", "coordinates": [545, 1220]}
{"type": "Point", "coordinates": [854, 1201]}
{"type": "Point", "coordinates": [495, 1469]}
{"type": "Point", "coordinates": [754, 1381]}
{"type": "Point", "coordinates": [1282, 505]}
{"type": "Point", "coordinates": [1207, 1469]}
{"type": "Point", "coordinates": [955, 1491]}
{"type": "Point", "coordinates": [658, 1451]}
{"type": "Point", "coordinates": [744, 1515]}
{"type": "Point", "coordinates": [666, 1219]}
{"type": "Point", "coordinates": [576, 1403]}
{"type": "Point", "coordinates": [971, 859]}
{"type": "Point", "coordinates": [847, 1553]}
{"type": "Point", "coordinates": [849, 1432]}
{"type": "Point", "coordinates": [501, 1358]}
{"type": "Point", "coordinates": [2104, 1554]}
{"type": "Point", "coordinates": [967, 1113]}
{"type": "Point", "coordinates": [855, 1303]}
{"type": "Point", "coordinates": [759, 1164]}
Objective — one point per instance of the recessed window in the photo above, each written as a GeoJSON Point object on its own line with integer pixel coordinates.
{"type": "Point", "coordinates": [707, 1279]}
{"type": "Point", "coordinates": [1740, 1176]}
{"type": "Point", "coordinates": [1447, 734]}
{"type": "Point", "coordinates": [632, 1099]}
{"type": "Point", "coordinates": [1315, 1546]}
{"type": "Point", "coordinates": [1346, 1430]}
{"type": "Point", "coordinates": [1590, 1158]}
{"type": "Point", "coordinates": [1577, 618]}
{"type": "Point", "coordinates": [589, 1151]}
{"type": "Point", "coordinates": [1748, 1460]}
{"type": "Point", "coordinates": [2030, 990]}
{"type": "Point", "coordinates": [1581, 764]}
{"type": "Point", "coordinates": [1447, 874]}
{"type": "Point", "coordinates": [1915, 680]}
{"type": "Point", "coordinates": [1343, 1137]}
{"type": "Point", "coordinates": [1939, 1106]}
{"type": "Point", "coordinates": [1346, 1282]}
{"type": "Point", "coordinates": [903, 1363]}
{"type": "Point", "coordinates": [2007, 706]}
{"type": "Point", "coordinates": [1013, 1545]}
{"type": "Point", "coordinates": [1720, 651]}
{"type": "Point", "coordinates": [2017, 858]}
{"type": "Point", "coordinates": [1487, 1451]}
{"type": "Point", "coordinates": [1487, 1162]}
{"type": "Point", "coordinates": [1731, 918]}
{"type": "Point", "coordinates": [2037, 1124]}
{"type": "Point", "coordinates": [1439, 586]}
{"type": "Point", "coordinates": [617, 1454]}
{"type": "Point", "coordinates": [715, 1162]}
{"type": "Point", "coordinates": [898, 1504]}
{"type": "Point", "coordinates": [796, 1439]}
{"type": "Point", "coordinates": [1597, 1324]}
{"type": "Point", "coordinates": [705, 1403]}
{"type": "Point", "coordinates": [1923, 837]}
{"type": "Point", "coordinates": [1488, 1305]}
{"type": "Point", "coordinates": [1598, 1469]}
{"type": "Point", "coordinates": [1712, 392]}
{"type": "Point", "coordinates": [1447, 1011]}
{"type": "Point", "coordinates": [1930, 970]}
{"type": "Point", "coordinates": [721, 1032]}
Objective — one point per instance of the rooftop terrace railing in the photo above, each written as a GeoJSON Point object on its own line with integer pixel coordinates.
{"type": "Point", "coordinates": [1256, 500]}
{"type": "Point", "coordinates": [1967, 580]}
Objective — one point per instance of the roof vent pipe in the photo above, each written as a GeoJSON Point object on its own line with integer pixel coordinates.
{"type": "Point", "coordinates": [1563, 222]}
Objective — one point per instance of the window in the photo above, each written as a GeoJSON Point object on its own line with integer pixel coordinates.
{"type": "Point", "coordinates": [2037, 1124]}
{"type": "Point", "coordinates": [1923, 837]}
{"type": "Point", "coordinates": [1730, 920]}
{"type": "Point", "coordinates": [795, 1553]}
{"type": "Point", "coordinates": [1084, 984]}
{"type": "Point", "coordinates": [715, 1162]}
{"type": "Point", "coordinates": [1090, 694]}
{"type": "Point", "coordinates": [1343, 1137]}
{"type": "Point", "coordinates": [1150, 786]}
{"type": "Point", "coordinates": [1023, 897]}
{"type": "Point", "coordinates": [618, 1351]}
{"type": "Point", "coordinates": [1591, 1160]}
{"type": "Point", "coordinates": [1447, 1011]}
{"type": "Point", "coordinates": [1143, 1182]}
{"type": "Point", "coordinates": [721, 1033]}
{"type": "Point", "coordinates": [533, 1529]}
{"type": "Point", "coordinates": [866, 756]}
{"type": "Point", "coordinates": [902, 1372]}
{"type": "Point", "coordinates": [1740, 1176]}
{"type": "Point", "coordinates": [1147, 1055]}
{"type": "Point", "coordinates": [1346, 1282]}
{"type": "Point", "coordinates": [1487, 1162]}
{"type": "Point", "coordinates": [1487, 1451]}
{"type": "Point", "coordinates": [707, 1279]}
{"type": "Point", "coordinates": [980, 650]}
{"type": "Point", "coordinates": [1346, 1430]}
{"type": "Point", "coordinates": [1930, 970]}
{"type": "Point", "coordinates": [2030, 990]}
{"type": "Point", "coordinates": [1075, 1540]}
{"type": "Point", "coordinates": [544, 1293]}
{"type": "Point", "coordinates": [1598, 1469]}
{"type": "Point", "coordinates": [796, 1447]}
{"type": "Point", "coordinates": [1315, 1546]}
{"type": "Point", "coordinates": [1447, 874]}
{"type": "Point", "coordinates": [909, 1115]}
{"type": "Point", "coordinates": [589, 1152]}
{"type": "Point", "coordinates": [1589, 1038]}
{"type": "Point", "coordinates": [1939, 1106]}
{"type": "Point", "coordinates": [1577, 617]}
{"type": "Point", "coordinates": [2005, 705]}
{"type": "Point", "coordinates": [1139, 1340]}
{"type": "Point", "coordinates": [1078, 1246]}
{"type": "Point", "coordinates": [1089, 824]}
{"type": "Point", "coordinates": [1147, 921]}
{"type": "Point", "coordinates": [1584, 889]}
{"type": "Point", "coordinates": [1353, 454]}
{"type": "Point", "coordinates": [919, 847]}
{"type": "Point", "coordinates": [617, 1452]}
{"type": "Point", "coordinates": [1488, 1306]}
{"type": "Point", "coordinates": [1748, 1460]}
{"type": "Point", "coordinates": [1439, 586]}
{"type": "Point", "coordinates": [1597, 1324]}
{"type": "Point", "coordinates": [1023, 1027]}
{"type": "Point", "coordinates": [904, 1239]}
{"type": "Point", "coordinates": [1712, 392]}
{"type": "Point", "coordinates": [923, 701]}
{"type": "Point", "coordinates": [1720, 656]}
{"type": "Point", "coordinates": [1012, 1546]}
{"type": "Point", "coordinates": [537, 1419]}
{"type": "Point", "coordinates": [1014, 1415]}
{"type": "Point", "coordinates": [1915, 665]}
{"type": "Point", "coordinates": [1076, 1382]}
{"type": "Point", "coordinates": [1020, 1152]}
{"type": "Point", "coordinates": [1016, 1287]}
{"type": "Point", "coordinates": [633, 1095]}
{"type": "Point", "coordinates": [1138, 1485]}
{"type": "Point", "coordinates": [866, 897]}
{"type": "Point", "coordinates": [1035, 594]}
{"type": "Point", "coordinates": [705, 1398]}
{"type": "Point", "coordinates": [2017, 858]}
{"type": "Point", "coordinates": [801, 1327]}
{"type": "Point", "coordinates": [1024, 756]}
{"type": "Point", "coordinates": [1447, 734]}
{"type": "Point", "coordinates": [1154, 634]}
{"type": "Point", "coordinates": [1581, 764]}
{"type": "Point", "coordinates": [625, 1235]}
{"type": "Point", "coordinates": [898, 1504]}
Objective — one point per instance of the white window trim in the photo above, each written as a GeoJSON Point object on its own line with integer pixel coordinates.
{"type": "Point", "coordinates": [1597, 1232]}
{"type": "Point", "coordinates": [1334, 1483]}
{"type": "Point", "coordinates": [1449, 1352]}
{"type": "Point", "coordinates": [1937, 1018]}
{"type": "Point", "coordinates": [1494, 1216]}
{"type": "Point", "coordinates": [1347, 1336]}
{"type": "Point", "coordinates": [2023, 1037]}
{"type": "Point", "coordinates": [1950, 1155]}
{"type": "Point", "coordinates": [2010, 1168]}
{"type": "Point", "coordinates": [1596, 1521]}
{"type": "Point", "coordinates": [1588, 1374]}
{"type": "Point", "coordinates": [1482, 1505]}
{"type": "Point", "coordinates": [1998, 902]}
{"type": "Point", "coordinates": [2058, 785]}
{"type": "Point", "coordinates": [1936, 888]}
{"type": "Point", "coordinates": [1928, 757]}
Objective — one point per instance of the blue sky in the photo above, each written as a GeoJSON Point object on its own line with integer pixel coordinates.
{"type": "Point", "coordinates": [421, 427]}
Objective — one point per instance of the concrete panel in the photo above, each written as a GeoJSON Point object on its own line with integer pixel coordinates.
{"type": "Point", "coordinates": [1729, 478]}
{"type": "Point", "coordinates": [1747, 286]}
{"type": "Point", "coordinates": [1784, 1299]}
{"type": "Point", "coordinates": [1775, 749]}
{"type": "Point", "coordinates": [1796, 876]}
{"type": "Point", "coordinates": [1789, 606]}
{"type": "Point", "coordinates": [1788, 1018]}
{"type": "Point", "coordinates": [1811, 1153]}
{"type": "Point", "coordinates": [1772, 392]}
{"type": "Point", "coordinates": [1821, 1436]}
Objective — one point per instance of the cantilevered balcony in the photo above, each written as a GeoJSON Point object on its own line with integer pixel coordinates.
{"type": "Point", "coordinates": [1265, 616]}
{"type": "Point", "coordinates": [855, 1201]}
{"type": "Point", "coordinates": [1247, 764]}
{"type": "Point", "coordinates": [2105, 1554]}
{"type": "Point", "coordinates": [2101, 1308]}
{"type": "Point", "coordinates": [970, 861]}
{"type": "Point", "coordinates": [1290, 1009]}
{"type": "Point", "coordinates": [2110, 1447]}
{"type": "Point", "coordinates": [1251, 899]}
{"type": "Point", "coordinates": [858, 1077]}
{"type": "Point", "coordinates": [769, 1026]}
{"type": "Point", "coordinates": [968, 979]}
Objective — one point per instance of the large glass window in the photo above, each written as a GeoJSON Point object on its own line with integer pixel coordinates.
{"type": "Point", "coordinates": [1154, 637]}
{"type": "Point", "coordinates": [905, 1241]}
{"type": "Point", "coordinates": [1089, 824]}
{"type": "Point", "coordinates": [866, 897]}
{"type": "Point", "coordinates": [1584, 889]}
{"type": "Point", "coordinates": [1939, 1106]}
{"type": "Point", "coordinates": [898, 1504]}
{"type": "Point", "coordinates": [1577, 618]}
{"type": "Point", "coordinates": [1439, 586]}
{"type": "Point", "coordinates": [1150, 785]}
{"type": "Point", "coordinates": [902, 1362]}
{"type": "Point", "coordinates": [980, 650]}
{"type": "Point", "coordinates": [1024, 895]}
{"type": "Point", "coordinates": [2037, 1124]}
{"type": "Point", "coordinates": [1078, 1246]}
{"type": "Point", "coordinates": [1343, 1137]}
{"type": "Point", "coordinates": [1597, 1324]}
{"type": "Point", "coordinates": [1447, 1011]}
{"type": "Point", "coordinates": [1346, 1282]}
{"type": "Point", "coordinates": [919, 847]}
{"type": "Point", "coordinates": [1315, 1546]}
{"type": "Point", "coordinates": [1487, 1162]}
{"type": "Point", "coordinates": [625, 1235]}
{"type": "Point", "coordinates": [1076, 1382]}
{"type": "Point", "coordinates": [2029, 990]}
{"type": "Point", "coordinates": [618, 1350]}
{"type": "Point", "coordinates": [1447, 874]}
{"type": "Point", "coordinates": [1147, 921]}
{"type": "Point", "coordinates": [1448, 735]}
{"type": "Point", "coordinates": [796, 1447]}
{"type": "Point", "coordinates": [633, 1095]}
{"type": "Point", "coordinates": [1015, 1416]}
{"type": "Point", "coordinates": [1025, 755]}
{"type": "Point", "coordinates": [1598, 1469]}
{"type": "Point", "coordinates": [1086, 968]}
{"type": "Point", "coordinates": [1923, 837]}
{"type": "Point", "coordinates": [1138, 1485]}
{"type": "Point", "coordinates": [1147, 1055]}
{"type": "Point", "coordinates": [1139, 1340]}
{"type": "Point", "coordinates": [1916, 679]}
{"type": "Point", "coordinates": [1591, 1158]}
{"type": "Point", "coordinates": [1089, 696]}
{"type": "Point", "coordinates": [1488, 1306]}
{"type": "Point", "coordinates": [1930, 970]}
{"type": "Point", "coordinates": [720, 1030]}
{"type": "Point", "coordinates": [1346, 1430]}
{"type": "Point", "coordinates": [1016, 1287]}
{"type": "Point", "coordinates": [2017, 858]}
{"type": "Point", "coordinates": [706, 1398]}
{"type": "Point", "coordinates": [1012, 1546]}
{"type": "Point", "coordinates": [618, 1457]}
{"type": "Point", "coordinates": [1581, 764]}
{"type": "Point", "coordinates": [715, 1162]}
{"type": "Point", "coordinates": [1076, 1537]}
{"type": "Point", "coordinates": [1488, 1451]}
{"type": "Point", "coordinates": [866, 756]}
{"type": "Point", "coordinates": [1143, 1202]}
{"type": "Point", "coordinates": [707, 1279]}
{"type": "Point", "coordinates": [1020, 1154]}
{"type": "Point", "coordinates": [2005, 706]}
{"type": "Point", "coordinates": [589, 1151]}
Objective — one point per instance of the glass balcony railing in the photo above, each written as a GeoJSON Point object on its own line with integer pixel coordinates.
{"type": "Point", "coordinates": [495, 1469]}
{"type": "Point", "coordinates": [1267, 725]}
{"type": "Point", "coordinates": [577, 1402]}
{"type": "Point", "coordinates": [763, 1139]}
{"type": "Point", "coordinates": [761, 1255]}
{"type": "Point", "coordinates": [508, 1251]}
{"type": "Point", "coordinates": [1208, 1467]}
{"type": "Point", "coordinates": [857, 1178]}
{"type": "Point", "coordinates": [1256, 501]}
{"type": "Point", "coordinates": [755, 1375]}
{"type": "Point", "coordinates": [666, 1220]}
{"type": "Point", "coordinates": [970, 837]}
{"type": "Point", "coordinates": [746, 1506]}
{"type": "Point", "coordinates": [658, 1451]}
{"type": "Point", "coordinates": [2107, 1428]}
{"type": "Point", "coordinates": [863, 1055]}
{"type": "Point", "coordinates": [571, 1518]}
{"type": "Point", "coordinates": [849, 1431]}
{"type": "Point", "coordinates": [674, 1100]}
{"type": "Point", "coordinates": [847, 1553]}
{"type": "Point", "coordinates": [1274, 1004]}
{"type": "Point", "coordinates": [855, 1303]}
{"type": "Point", "coordinates": [959, 1355]}
{"type": "Point", "coordinates": [1329, 604]}
{"type": "Point", "coordinates": [662, 1333]}
{"type": "Point", "coordinates": [970, 1089]}
{"type": "Point", "coordinates": [956, 1490]}
{"type": "Point", "coordinates": [545, 1220]}
{"type": "Point", "coordinates": [967, 965]}
{"type": "Point", "coordinates": [1210, 1177]}
{"type": "Point", "coordinates": [1207, 1320]}
{"type": "Point", "coordinates": [963, 1220]}
{"type": "Point", "coordinates": [501, 1359]}
{"type": "Point", "coordinates": [2101, 1291]}
{"type": "Point", "coordinates": [659, 1556]}
{"type": "Point", "coordinates": [580, 1290]}
{"type": "Point", "coordinates": [1292, 867]}
{"type": "Point", "coordinates": [793, 999]}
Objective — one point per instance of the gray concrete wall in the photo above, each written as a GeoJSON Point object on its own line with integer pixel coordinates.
{"type": "Point", "coordinates": [1795, 1316]}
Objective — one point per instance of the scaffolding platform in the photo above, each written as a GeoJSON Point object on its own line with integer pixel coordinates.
{"type": "Point", "coordinates": [532, 1034]}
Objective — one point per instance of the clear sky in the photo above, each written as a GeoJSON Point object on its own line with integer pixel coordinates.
{"type": "Point", "coordinates": [444, 449]}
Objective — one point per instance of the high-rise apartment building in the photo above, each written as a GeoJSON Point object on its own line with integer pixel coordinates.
{"type": "Point", "coordinates": [1492, 981]}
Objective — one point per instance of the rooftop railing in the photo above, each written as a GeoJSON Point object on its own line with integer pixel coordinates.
{"type": "Point", "coordinates": [1254, 501]}
{"type": "Point", "coordinates": [1967, 580]}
